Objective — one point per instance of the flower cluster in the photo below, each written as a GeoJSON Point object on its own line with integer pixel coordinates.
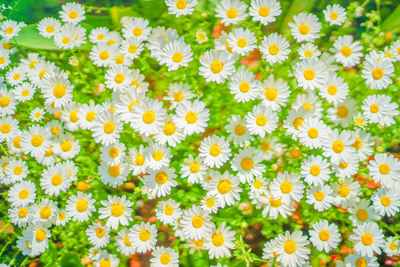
{"type": "Point", "coordinates": [325, 110]}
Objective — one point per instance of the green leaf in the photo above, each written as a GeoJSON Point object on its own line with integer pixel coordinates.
{"type": "Point", "coordinates": [392, 23]}
{"type": "Point", "coordinates": [29, 37]}
{"type": "Point", "coordinates": [70, 260]}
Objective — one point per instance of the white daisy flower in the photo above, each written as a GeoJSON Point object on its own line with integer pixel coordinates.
{"type": "Point", "coordinates": [334, 90]}
{"type": "Point", "coordinates": [247, 163]}
{"type": "Point", "coordinates": [193, 169]}
{"type": "Point", "coordinates": [176, 54]}
{"type": "Point", "coordinates": [313, 133]}
{"type": "Point", "coordinates": [192, 117]}
{"type": "Point", "coordinates": [275, 93]}
{"type": "Point", "coordinates": [231, 11]}
{"type": "Point", "coordinates": [211, 203]}
{"type": "Point", "coordinates": [143, 236]}
{"type": "Point", "coordinates": [321, 197]}
{"type": "Point", "coordinates": [113, 174]}
{"type": "Point", "coordinates": [310, 74]}
{"type": "Point", "coordinates": [215, 150]}
{"type": "Point", "coordinates": [346, 51]}
{"type": "Point", "coordinates": [335, 14]}
{"type": "Point", "coordinates": [261, 120]}
{"type": "Point", "coordinates": [315, 170]}
{"type": "Point", "coordinates": [72, 13]}
{"type": "Point", "coordinates": [378, 74]}
{"type": "Point", "coordinates": [98, 234]}
{"type": "Point", "coordinates": [10, 28]}
{"type": "Point", "coordinates": [160, 182]}
{"type": "Point", "coordinates": [380, 109]}
{"type": "Point", "coordinates": [386, 202]}
{"type": "Point", "coordinates": [226, 187]}
{"type": "Point", "coordinates": [47, 27]}
{"type": "Point", "coordinates": [136, 28]}
{"type": "Point", "coordinates": [369, 239]}
{"type": "Point", "coordinates": [196, 223]}
{"type": "Point", "coordinates": [220, 242]}
{"type": "Point", "coordinates": [168, 212]}
{"type": "Point", "coordinates": [180, 7]}
{"type": "Point", "coordinates": [149, 117]}
{"type": "Point", "coordinates": [164, 256]}
{"type": "Point", "coordinates": [239, 134]}
{"type": "Point", "coordinates": [324, 236]}
{"type": "Point", "coordinates": [308, 50]}
{"type": "Point", "coordinates": [287, 186]}
{"type": "Point", "coordinates": [244, 86]}
{"type": "Point", "coordinates": [137, 160]}
{"type": "Point", "coordinates": [106, 128]}
{"type": "Point", "coordinates": [339, 147]}
{"type": "Point", "coordinates": [55, 180]}
{"type": "Point", "coordinates": [116, 210]}
{"type": "Point", "coordinates": [291, 249]}
{"type": "Point", "coordinates": [265, 11]}
{"type": "Point", "coordinates": [362, 212]}
{"type": "Point", "coordinates": [216, 66]}
{"type": "Point", "coordinates": [305, 27]}
{"type": "Point", "coordinates": [157, 156]}
{"type": "Point", "coordinates": [80, 207]}
{"type": "Point", "coordinates": [22, 194]}
{"type": "Point", "coordinates": [242, 41]}
{"type": "Point", "coordinates": [274, 48]}
{"type": "Point", "coordinates": [384, 169]}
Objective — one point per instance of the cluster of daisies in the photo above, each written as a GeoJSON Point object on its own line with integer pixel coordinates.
{"type": "Point", "coordinates": [322, 118]}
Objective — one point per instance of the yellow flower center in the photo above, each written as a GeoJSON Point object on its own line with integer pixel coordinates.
{"type": "Point", "coordinates": [298, 122]}
{"type": "Point", "coordinates": [114, 170]}
{"type": "Point", "coordinates": [100, 232]}
{"type": "Point", "coordinates": [56, 179]}
{"type": "Point", "coordinates": [16, 142]}
{"type": "Point", "coordinates": [168, 210]}
{"type": "Point", "coordinates": [117, 210]}
{"type": "Point", "coordinates": [9, 30]}
{"type": "Point", "coordinates": [119, 78]}
{"type": "Point", "coordinates": [313, 133]}
{"type": "Point", "coordinates": [216, 66]}
{"type": "Point", "coordinates": [332, 90]}
{"type": "Point", "coordinates": [4, 101]}
{"type": "Point", "coordinates": [257, 184]}
{"type": "Point", "coordinates": [166, 258]}
{"type": "Point", "coordinates": [244, 87]}
{"type": "Point", "coordinates": [367, 239]}
{"type": "Point", "coordinates": [40, 235]}
{"type": "Point", "coordinates": [105, 263]}
{"type": "Point", "coordinates": [273, 49]}
{"type": "Point", "coordinates": [362, 215]}
{"type": "Point", "coordinates": [73, 15]}
{"type": "Point", "coordinates": [144, 235]}
{"type": "Point", "coordinates": [113, 152]}
{"type": "Point", "coordinates": [5, 128]}
{"type": "Point", "coordinates": [315, 170]}
{"type": "Point", "coordinates": [50, 29]}
{"type": "Point", "coordinates": [45, 212]}
{"type": "Point", "coordinates": [66, 146]}
{"type": "Point", "coordinates": [346, 51]}
{"type": "Point", "coordinates": [158, 155]}
{"type": "Point", "coordinates": [132, 48]}
{"type": "Point", "coordinates": [384, 169]}
{"type": "Point", "coordinates": [65, 40]}
{"type": "Point", "coordinates": [344, 190]}
{"type": "Point", "coordinates": [241, 42]}
{"type": "Point", "coordinates": [23, 194]}
{"type": "Point", "coordinates": [224, 186]}
{"type": "Point", "coordinates": [324, 235]}
{"type": "Point", "coordinates": [127, 242]}
{"type": "Point", "coordinates": [263, 11]}
{"type": "Point", "coordinates": [197, 221]}
{"type": "Point", "coordinates": [139, 160]}
{"type": "Point", "coordinates": [36, 140]}
{"type": "Point", "coordinates": [377, 73]}
{"type": "Point", "coordinates": [215, 150]}
{"type": "Point", "coordinates": [393, 246]}
{"type": "Point", "coordinates": [357, 144]}
{"type": "Point", "coordinates": [240, 130]}
{"type": "Point", "coordinates": [232, 13]}
{"type": "Point", "coordinates": [247, 164]}
{"type": "Point", "coordinates": [191, 117]}
{"type": "Point", "coordinates": [149, 117]}
{"type": "Point", "coordinates": [333, 15]}
{"type": "Point", "coordinates": [194, 167]}
{"type": "Point", "coordinates": [178, 96]}
{"type": "Point", "coordinates": [271, 94]}
{"type": "Point", "coordinates": [177, 57]}
{"type": "Point", "coordinates": [309, 74]}
{"type": "Point", "coordinates": [261, 120]}
{"type": "Point", "coordinates": [119, 59]}
{"type": "Point", "coordinates": [104, 55]}
{"type": "Point", "coordinates": [169, 128]}
{"type": "Point", "coordinates": [289, 247]}
{"type": "Point", "coordinates": [304, 29]}
{"type": "Point", "coordinates": [217, 239]}
{"type": "Point", "coordinates": [137, 32]}
{"type": "Point", "coordinates": [338, 146]}
{"type": "Point", "coordinates": [73, 116]}
{"type": "Point", "coordinates": [286, 187]}
{"type": "Point", "coordinates": [22, 212]}
{"type": "Point", "coordinates": [386, 201]}
{"type": "Point", "coordinates": [319, 195]}
{"type": "Point", "coordinates": [82, 205]}
{"type": "Point", "coordinates": [342, 111]}
{"type": "Point", "coordinates": [210, 202]}
{"type": "Point", "coordinates": [275, 203]}
{"type": "Point", "coordinates": [374, 108]}
{"type": "Point", "coordinates": [161, 178]}
{"type": "Point", "coordinates": [109, 127]}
